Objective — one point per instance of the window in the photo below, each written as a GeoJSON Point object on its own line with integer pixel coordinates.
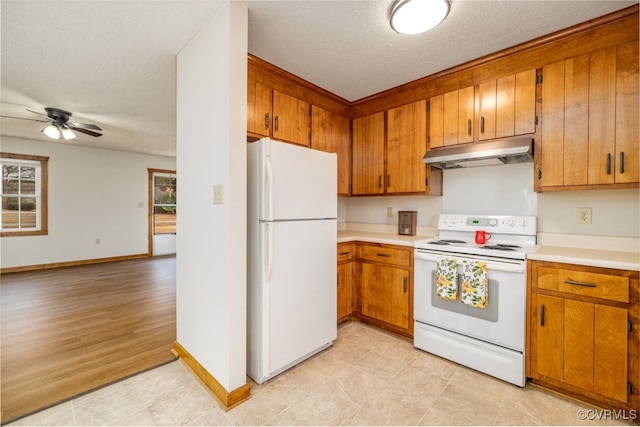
{"type": "Point", "coordinates": [24, 195]}
{"type": "Point", "coordinates": [164, 203]}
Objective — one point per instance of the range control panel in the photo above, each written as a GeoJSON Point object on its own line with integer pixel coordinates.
{"type": "Point", "coordinates": [496, 223]}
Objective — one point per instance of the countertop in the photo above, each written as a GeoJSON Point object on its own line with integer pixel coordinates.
{"type": "Point", "coordinates": [588, 257]}
{"type": "Point", "coordinates": [624, 260]}
{"type": "Point", "coordinates": [373, 237]}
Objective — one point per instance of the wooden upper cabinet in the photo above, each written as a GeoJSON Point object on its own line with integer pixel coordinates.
{"type": "Point", "coordinates": [465, 115]}
{"type": "Point", "coordinates": [451, 119]}
{"type": "Point", "coordinates": [258, 109]}
{"type": "Point", "coordinates": [367, 173]}
{"type": "Point", "coordinates": [493, 109]}
{"type": "Point", "coordinates": [406, 145]}
{"type": "Point", "coordinates": [602, 116]}
{"type": "Point", "coordinates": [627, 129]}
{"type": "Point", "coordinates": [436, 122]}
{"type": "Point", "coordinates": [330, 133]}
{"type": "Point", "coordinates": [291, 119]}
{"type": "Point", "coordinates": [589, 127]}
{"type": "Point", "coordinates": [486, 108]}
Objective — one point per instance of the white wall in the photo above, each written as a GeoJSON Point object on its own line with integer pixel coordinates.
{"type": "Point", "coordinates": [93, 194]}
{"type": "Point", "coordinates": [211, 150]}
{"type": "Point", "coordinates": [507, 189]}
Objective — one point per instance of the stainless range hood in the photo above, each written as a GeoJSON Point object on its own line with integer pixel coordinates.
{"type": "Point", "coordinates": [495, 152]}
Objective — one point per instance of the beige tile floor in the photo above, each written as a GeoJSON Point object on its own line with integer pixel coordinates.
{"type": "Point", "coordinates": [367, 377]}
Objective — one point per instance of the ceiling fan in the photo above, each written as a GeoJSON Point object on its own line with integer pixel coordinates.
{"type": "Point", "coordinates": [59, 125]}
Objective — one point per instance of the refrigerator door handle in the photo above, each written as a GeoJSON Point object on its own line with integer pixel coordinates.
{"type": "Point", "coordinates": [269, 195]}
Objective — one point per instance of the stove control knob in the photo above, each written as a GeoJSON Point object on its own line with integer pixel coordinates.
{"type": "Point", "coordinates": [454, 220]}
{"type": "Point", "coordinates": [523, 223]}
{"type": "Point", "coordinates": [493, 222]}
{"type": "Point", "coordinates": [445, 219]}
{"type": "Point", "coordinates": [511, 222]}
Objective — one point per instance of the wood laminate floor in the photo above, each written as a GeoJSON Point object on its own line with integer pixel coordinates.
{"type": "Point", "coordinates": [69, 330]}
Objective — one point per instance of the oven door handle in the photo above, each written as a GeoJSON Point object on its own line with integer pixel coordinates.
{"type": "Point", "coordinates": [514, 266]}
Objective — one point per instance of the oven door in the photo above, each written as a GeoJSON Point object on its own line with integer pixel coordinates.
{"type": "Point", "coordinates": [502, 322]}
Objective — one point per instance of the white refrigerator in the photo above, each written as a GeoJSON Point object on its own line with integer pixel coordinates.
{"type": "Point", "coordinates": [292, 238]}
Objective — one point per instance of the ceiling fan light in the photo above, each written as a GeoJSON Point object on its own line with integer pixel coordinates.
{"type": "Point", "coordinates": [417, 16]}
{"type": "Point", "coordinates": [68, 133]}
{"type": "Point", "coordinates": [52, 131]}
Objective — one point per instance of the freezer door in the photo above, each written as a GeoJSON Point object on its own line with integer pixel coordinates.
{"type": "Point", "coordinates": [300, 183]}
{"type": "Point", "coordinates": [300, 284]}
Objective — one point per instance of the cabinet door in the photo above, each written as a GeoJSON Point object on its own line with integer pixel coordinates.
{"type": "Point", "coordinates": [345, 290]}
{"type": "Point", "coordinates": [258, 108]}
{"type": "Point", "coordinates": [400, 298]}
{"type": "Point", "coordinates": [578, 343]}
{"type": "Point", "coordinates": [487, 95]}
{"type": "Point", "coordinates": [576, 115]}
{"type": "Point", "coordinates": [627, 129]}
{"type": "Point", "coordinates": [525, 103]}
{"type": "Point", "coordinates": [552, 154]}
{"type": "Point", "coordinates": [330, 133]}
{"type": "Point", "coordinates": [406, 144]}
{"type": "Point", "coordinates": [291, 119]}
{"type": "Point", "coordinates": [602, 116]}
{"type": "Point", "coordinates": [370, 292]}
{"type": "Point", "coordinates": [436, 121]}
{"type": "Point", "coordinates": [465, 115]}
{"type": "Point", "coordinates": [368, 155]}
{"type": "Point", "coordinates": [611, 346]}
{"type": "Point", "coordinates": [548, 321]}
{"type": "Point", "coordinates": [450, 118]}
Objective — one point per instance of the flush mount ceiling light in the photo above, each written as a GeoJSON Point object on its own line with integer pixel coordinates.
{"type": "Point", "coordinates": [417, 16]}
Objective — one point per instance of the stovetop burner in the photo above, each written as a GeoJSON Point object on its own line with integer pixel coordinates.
{"type": "Point", "coordinates": [446, 241]}
{"type": "Point", "coordinates": [502, 247]}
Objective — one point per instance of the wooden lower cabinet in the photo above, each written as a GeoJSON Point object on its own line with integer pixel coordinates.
{"type": "Point", "coordinates": [346, 257]}
{"type": "Point", "coordinates": [583, 333]}
{"type": "Point", "coordinates": [384, 286]}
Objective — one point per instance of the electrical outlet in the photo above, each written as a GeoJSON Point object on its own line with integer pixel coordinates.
{"type": "Point", "coordinates": [390, 212]}
{"type": "Point", "coordinates": [97, 241]}
{"type": "Point", "coordinates": [584, 215]}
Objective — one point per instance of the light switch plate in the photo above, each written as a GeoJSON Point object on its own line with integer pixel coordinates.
{"type": "Point", "coordinates": [218, 196]}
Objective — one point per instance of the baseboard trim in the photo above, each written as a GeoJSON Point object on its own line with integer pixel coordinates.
{"type": "Point", "coordinates": [227, 399]}
{"type": "Point", "coordinates": [71, 263]}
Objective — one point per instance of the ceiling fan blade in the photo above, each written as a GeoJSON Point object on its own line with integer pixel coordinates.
{"type": "Point", "coordinates": [86, 131]}
{"type": "Point", "coordinates": [24, 118]}
{"type": "Point", "coordinates": [40, 114]}
{"type": "Point", "coordinates": [83, 126]}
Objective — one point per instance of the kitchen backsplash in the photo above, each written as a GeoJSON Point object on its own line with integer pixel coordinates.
{"type": "Point", "coordinates": [508, 190]}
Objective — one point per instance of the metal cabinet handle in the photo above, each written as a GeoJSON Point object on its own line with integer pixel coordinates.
{"type": "Point", "coordinates": [384, 255]}
{"type": "Point", "coordinates": [542, 315]}
{"type": "Point", "coordinates": [469, 126]}
{"type": "Point", "coordinates": [344, 253]}
{"type": "Point", "coordinates": [276, 123]}
{"type": "Point", "coordinates": [405, 284]}
{"type": "Point", "coordinates": [266, 121]}
{"type": "Point", "coordinates": [608, 163]}
{"type": "Point", "coordinates": [573, 282]}
{"type": "Point", "coordinates": [622, 162]}
{"type": "Point", "coordinates": [481, 124]}
{"type": "Point", "coordinates": [388, 180]}
{"type": "Point", "coordinates": [337, 280]}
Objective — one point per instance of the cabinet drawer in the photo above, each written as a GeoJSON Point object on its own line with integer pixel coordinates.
{"type": "Point", "coordinates": [400, 257]}
{"type": "Point", "coordinates": [346, 252]}
{"type": "Point", "coordinates": [605, 286]}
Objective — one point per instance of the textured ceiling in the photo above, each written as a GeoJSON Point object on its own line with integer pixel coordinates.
{"type": "Point", "coordinates": [112, 62]}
